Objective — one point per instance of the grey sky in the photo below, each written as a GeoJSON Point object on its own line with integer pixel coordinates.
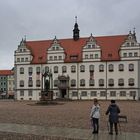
{"type": "Point", "coordinates": [43, 19]}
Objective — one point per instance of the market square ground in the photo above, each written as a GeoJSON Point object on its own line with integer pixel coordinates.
{"type": "Point", "coordinates": [73, 115]}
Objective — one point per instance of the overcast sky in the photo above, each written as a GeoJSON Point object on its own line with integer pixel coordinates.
{"type": "Point", "coordinates": [43, 19]}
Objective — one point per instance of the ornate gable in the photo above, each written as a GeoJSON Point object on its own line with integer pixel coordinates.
{"type": "Point", "coordinates": [55, 46]}
{"type": "Point", "coordinates": [91, 43]}
{"type": "Point", "coordinates": [131, 40]}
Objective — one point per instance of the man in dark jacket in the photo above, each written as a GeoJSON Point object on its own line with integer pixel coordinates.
{"type": "Point", "coordinates": [113, 111]}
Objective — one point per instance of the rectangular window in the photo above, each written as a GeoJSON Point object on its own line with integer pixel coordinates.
{"type": "Point", "coordinates": [96, 56]}
{"type": "Point", "coordinates": [22, 93]}
{"type": "Point", "coordinates": [93, 93]}
{"type": "Point", "coordinates": [132, 93]}
{"type": "Point", "coordinates": [122, 93]}
{"type": "Point", "coordinates": [124, 54]}
{"type": "Point", "coordinates": [102, 93]}
{"type": "Point", "coordinates": [30, 93]}
{"type": "Point", "coordinates": [74, 94]}
{"type": "Point", "coordinates": [83, 93]}
{"type": "Point", "coordinates": [113, 93]}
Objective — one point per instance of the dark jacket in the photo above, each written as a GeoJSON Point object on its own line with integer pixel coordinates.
{"type": "Point", "coordinates": [113, 111]}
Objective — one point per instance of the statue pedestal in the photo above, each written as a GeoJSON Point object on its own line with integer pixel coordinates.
{"type": "Point", "coordinates": [46, 95]}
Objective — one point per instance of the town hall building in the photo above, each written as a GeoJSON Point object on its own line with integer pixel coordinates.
{"type": "Point", "coordinates": [103, 67]}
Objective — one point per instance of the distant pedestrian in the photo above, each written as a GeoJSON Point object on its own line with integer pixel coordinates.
{"type": "Point", "coordinates": [113, 111]}
{"type": "Point", "coordinates": [95, 115]}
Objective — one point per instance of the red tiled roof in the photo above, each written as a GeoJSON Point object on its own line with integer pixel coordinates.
{"type": "Point", "coordinates": [110, 46]}
{"type": "Point", "coordinates": [6, 72]}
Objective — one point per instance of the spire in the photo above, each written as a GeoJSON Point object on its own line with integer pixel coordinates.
{"type": "Point", "coordinates": [76, 30]}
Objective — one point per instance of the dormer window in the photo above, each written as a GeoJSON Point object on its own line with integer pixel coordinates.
{"type": "Point", "coordinates": [128, 44]}
{"type": "Point", "coordinates": [74, 57]}
{"type": "Point", "coordinates": [89, 46]}
{"type": "Point", "coordinates": [132, 44]}
{"type": "Point", "coordinates": [53, 48]}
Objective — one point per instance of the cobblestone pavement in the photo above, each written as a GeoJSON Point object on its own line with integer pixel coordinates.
{"type": "Point", "coordinates": [32, 132]}
{"type": "Point", "coordinates": [70, 115]}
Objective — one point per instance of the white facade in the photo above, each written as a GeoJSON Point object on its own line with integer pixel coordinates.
{"type": "Point", "coordinates": [88, 79]}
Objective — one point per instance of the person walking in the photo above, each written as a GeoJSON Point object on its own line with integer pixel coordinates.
{"type": "Point", "coordinates": [95, 115]}
{"type": "Point", "coordinates": [113, 111]}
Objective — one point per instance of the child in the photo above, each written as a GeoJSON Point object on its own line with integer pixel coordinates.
{"type": "Point", "coordinates": [95, 115]}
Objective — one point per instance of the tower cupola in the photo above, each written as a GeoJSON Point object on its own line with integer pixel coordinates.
{"type": "Point", "coordinates": [76, 30]}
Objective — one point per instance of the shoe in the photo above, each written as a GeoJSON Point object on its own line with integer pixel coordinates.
{"type": "Point", "coordinates": [110, 133]}
{"type": "Point", "coordinates": [116, 133]}
{"type": "Point", "coordinates": [94, 132]}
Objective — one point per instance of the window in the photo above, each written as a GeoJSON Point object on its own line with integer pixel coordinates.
{"type": "Point", "coordinates": [96, 56]}
{"type": "Point", "coordinates": [22, 93]}
{"type": "Point", "coordinates": [102, 93]}
{"type": "Point", "coordinates": [21, 83]}
{"type": "Point", "coordinates": [26, 59]}
{"type": "Point", "coordinates": [30, 93]}
{"type": "Point", "coordinates": [91, 68]}
{"type": "Point", "coordinates": [112, 93]}
{"type": "Point", "coordinates": [124, 54]}
{"type": "Point", "coordinates": [122, 93]}
{"type": "Point", "coordinates": [22, 59]}
{"type": "Point", "coordinates": [132, 44]}
{"type": "Point", "coordinates": [82, 68]}
{"type": "Point", "coordinates": [111, 82]}
{"type": "Point", "coordinates": [30, 83]}
{"type": "Point", "coordinates": [55, 57]}
{"type": "Point", "coordinates": [83, 93]}
{"type": "Point", "coordinates": [101, 68]}
{"type": "Point", "coordinates": [74, 94]}
{"type": "Point", "coordinates": [111, 67]}
{"type": "Point", "coordinates": [121, 82]}
{"type": "Point", "coordinates": [131, 82]}
{"type": "Point", "coordinates": [64, 69]}
{"type": "Point", "coordinates": [86, 56]}
{"type": "Point", "coordinates": [30, 70]}
{"type": "Point", "coordinates": [135, 54]}
{"type": "Point", "coordinates": [121, 67]}
{"type": "Point", "coordinates": [93, 93]}
{"type": "Point", "coordinates": [131, 67]}
{"type": "Point", "coordinates": [73, 82]}
{"type": "Point", "coordinates": [91, 82]}
{"type": "Point", "coordinates": [60, 57]}
{"type": "Point", "coordinates": [91, 56]}
{"type": "Point", "coordinates": [130, 54]}
{"type": "Point", "coordinates": [128, 44]}
{"type": "Point", "coordinates": [38, 70]}
{"type": "Point", "coordinates": [101, 82]}
{"type": "Point", "coordinates": [55, 83]}
{"type": "Point", "coordinates": [50, 58]}
{"type": "Point", "coordinates": [18, 59]}
{"type": "Point", "coordinates": [74, 57]}
{"type": "Point", "coordinates": [73, 68]}
{"type": "Point", "coordinates": [132, 93]}
{"type": "Point", "coordinates": [82, 82]}
{"type": "Point", "coordinates": [89, 46]}
{"type": "Point", "coordinates": [55, 69]}
{"type": "Point", "coordinates": [21, 70]}
{"type": "Point", "coordinates": [38, 83]}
